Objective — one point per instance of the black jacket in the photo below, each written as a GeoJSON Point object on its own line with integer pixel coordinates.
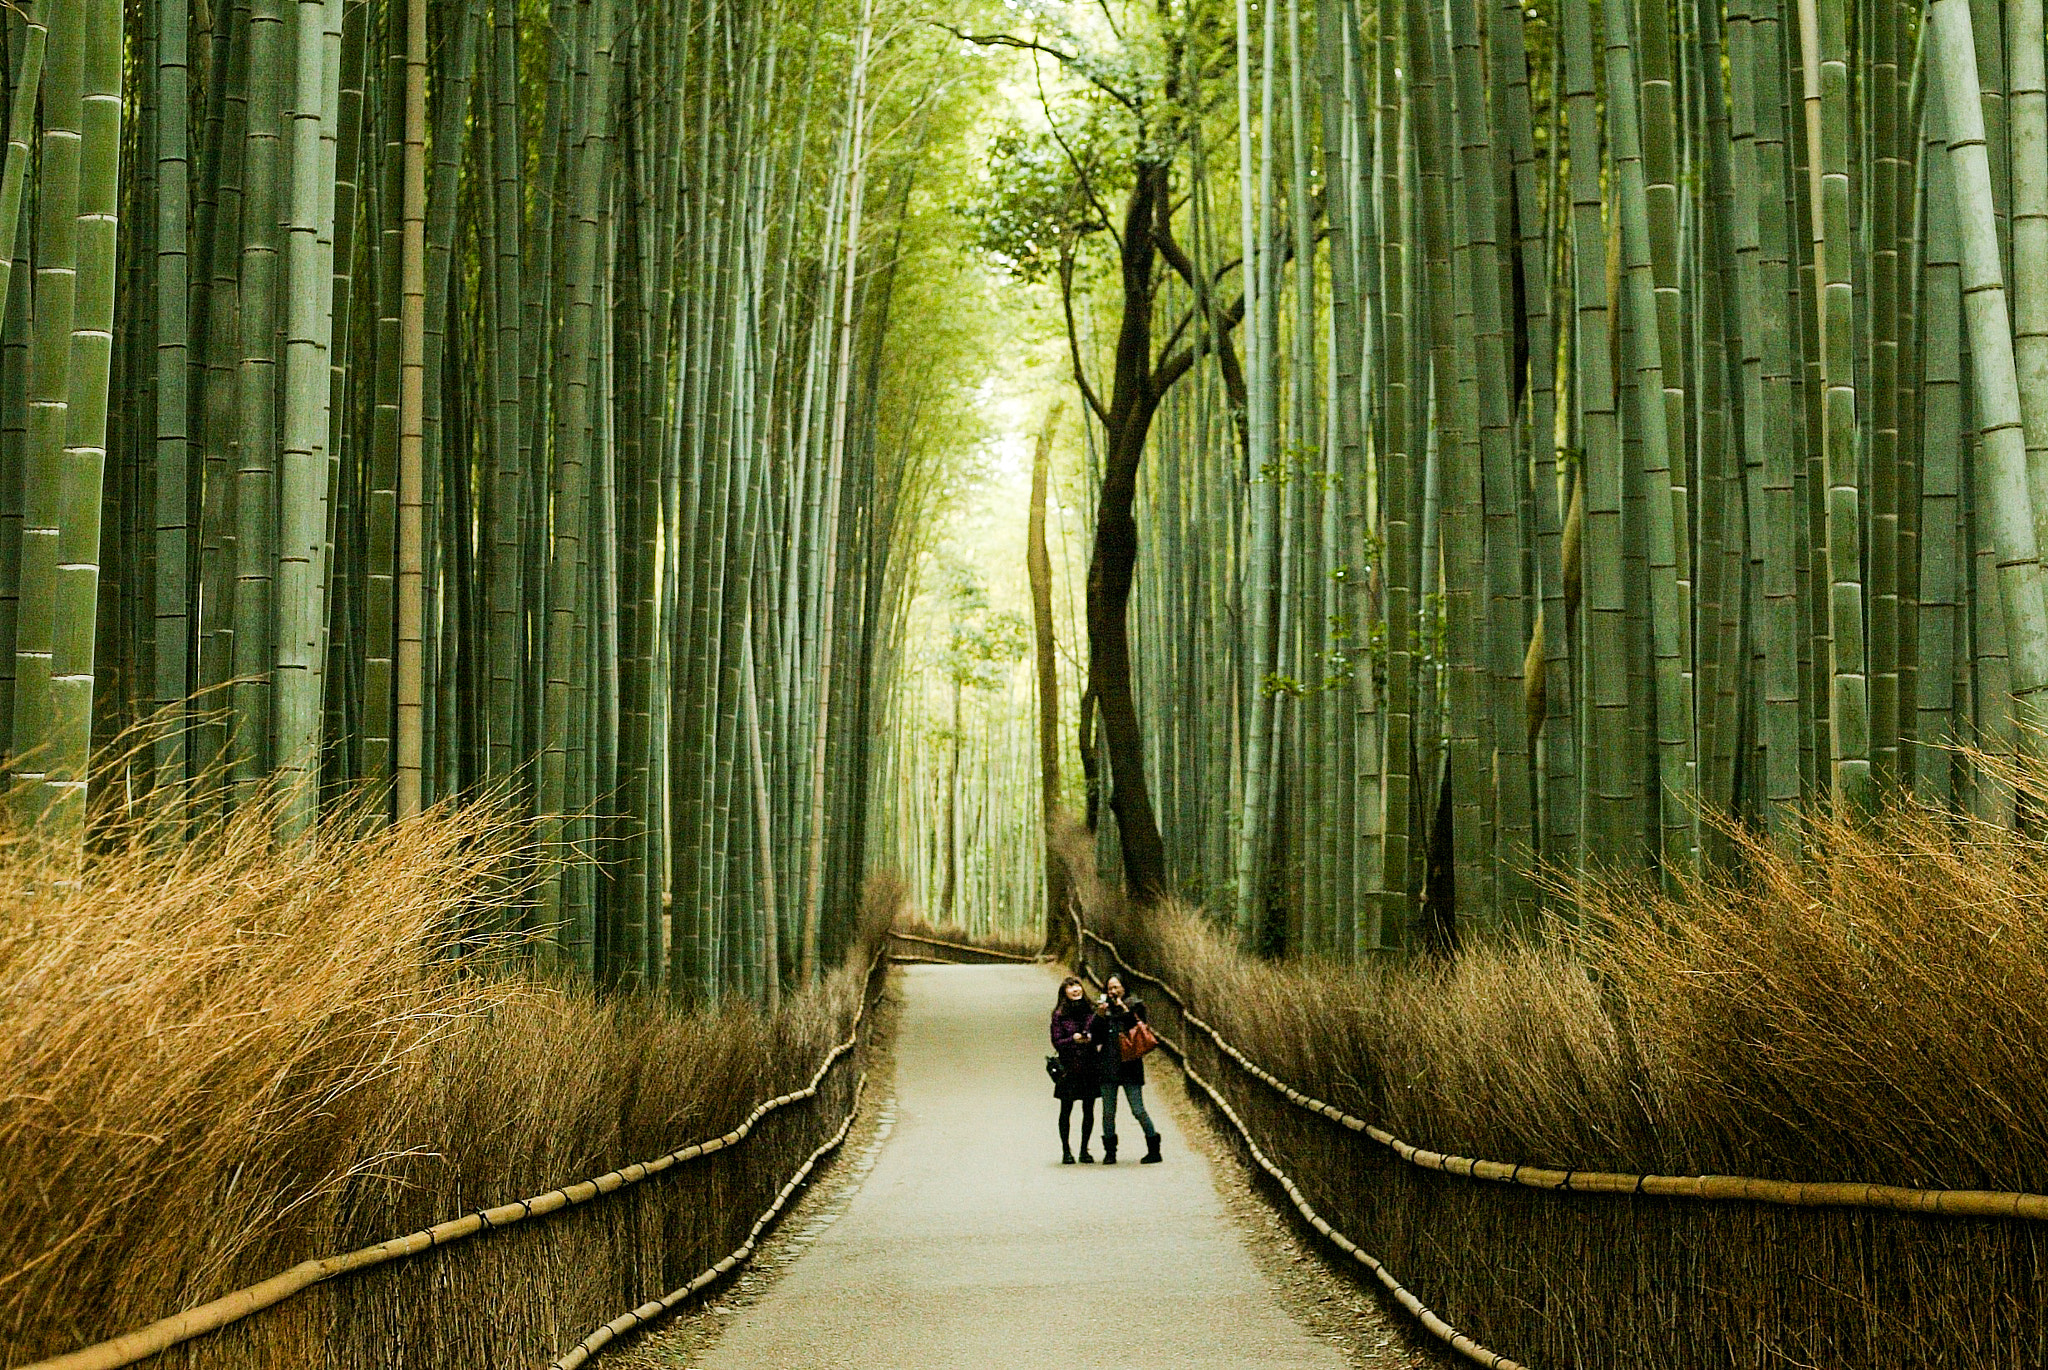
{"type": "Point", "coordinates": [1110, 1066]}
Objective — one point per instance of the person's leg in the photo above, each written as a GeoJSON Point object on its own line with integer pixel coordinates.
{"type": "Point", "coordinates": [1066, 1118]}
{"type": "Point", "coordinates": [1135, 1096]}
{"type": "Point", "coordinates": [1109, 1124]}
{"type": "Point", "coordinates": [1087, 1127]}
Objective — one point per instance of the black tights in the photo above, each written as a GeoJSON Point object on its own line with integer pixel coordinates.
{"type": "Point", "coordinates": [1087, 1120]}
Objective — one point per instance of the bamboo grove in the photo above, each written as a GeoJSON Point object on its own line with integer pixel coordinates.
{"type": "Point", "coordinates": [962, 820]}
{"type": "Point", "coordinates": [1516, 437]}
{"type": "Point", "coordinates": [1607, 421]}
{"type": "Point", "coordinates": [510, 398]}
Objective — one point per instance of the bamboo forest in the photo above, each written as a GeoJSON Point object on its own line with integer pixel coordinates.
{"type": "Point", "coordinates": [563, 562]}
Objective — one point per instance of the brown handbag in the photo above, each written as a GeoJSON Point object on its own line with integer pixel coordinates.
{"type": "Point", "coordinates": [1136, 1042]}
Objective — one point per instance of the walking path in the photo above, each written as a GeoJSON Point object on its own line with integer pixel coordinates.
{"type": "Point", "coordinates": [971, 1246]}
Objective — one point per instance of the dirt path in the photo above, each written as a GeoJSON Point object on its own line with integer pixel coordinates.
{"type": "Point", "coordinates": [969, 1245]}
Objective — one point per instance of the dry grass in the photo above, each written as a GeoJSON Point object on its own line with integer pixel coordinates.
{"type": "Point", "coordinates": [222, 1059]}
{"type": "Point", "coordinates": [1875, 1012]}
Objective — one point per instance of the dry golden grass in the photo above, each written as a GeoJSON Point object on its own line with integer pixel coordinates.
{"type": "Point", "coordinates": [1877, 1011]}
{"type": "Point", "coordinates": [224, 1058]}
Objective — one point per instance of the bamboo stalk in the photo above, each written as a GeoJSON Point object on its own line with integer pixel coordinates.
{"type": "Point", "coordinates": [39, 745]}
{"type": "Point", "coordinates": [407, 668]}
{"type": "Point", "coordinates": [2008, 510]}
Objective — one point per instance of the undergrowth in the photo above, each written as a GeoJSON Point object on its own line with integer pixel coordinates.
{"type": "Point", "coordinates": [1873, 1008]}
{"type": "Point", "coordinates": [218, 1059]}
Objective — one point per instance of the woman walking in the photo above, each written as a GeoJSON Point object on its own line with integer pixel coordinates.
{"type": "Point", "coordinates": [1114, 1016]}
{"type": "Point", "coordinates": [1078, 1080]}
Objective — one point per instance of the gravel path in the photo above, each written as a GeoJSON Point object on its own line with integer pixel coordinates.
{"type": "Point", "coordinates": [969, 1245]}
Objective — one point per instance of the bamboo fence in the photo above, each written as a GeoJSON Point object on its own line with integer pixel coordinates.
{"type": "Point", "coordinates": [964, 947]}
{"type": "Point", "coordinates": [133, 1347]}
{"type": "Point", "coordinates": [1430, 1320]}
{"type": "Point", "coordinates": [1943, 1203]}
{"type": "Point", "coordinates": [648, 1312]}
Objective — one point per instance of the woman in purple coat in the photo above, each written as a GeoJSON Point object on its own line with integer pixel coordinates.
{"type": "Point", "coordinates": [1078, 1079]}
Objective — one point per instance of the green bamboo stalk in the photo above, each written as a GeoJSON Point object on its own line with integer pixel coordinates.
{"type": "Point", "coordinates": [303, 491]}
{"type": "Point", "coordinates": [254, 498]}
{"type": "Point", "coordinates": [1255, 195]}
{"type": "Point", "coordinates": [1889, 164]}
{"type": "Point", "coordinates": [857, 116]}
{"type": "Point", "coordinates": [1398, 477]}
{"type": "Point", "coordinates": [2027, 114]}
{"type": "Point", "coordinates": [1759, 98]}
{"type": "Point", "coordinates": [2007, 510]}
{"type": "Point", "coordinates": [172, 654]}
{"type": "Point", "coordinates": [28, 84]}
{"type": "Point", "coordinates": [1662, 503]}
{"type": "Point", "coordinates": [1552, 689]}
{"type": "Point", "coordinates": [345, 154]}
{"type": "Point", "coordinates": [85, 437]}
{"type": "Point", "coordinates": [1941, 519]}
{"type": "Point", "coordinates": [507, 649]}
{"type": "Point", "coordinates": [1506, 622]}
{"type": "Point", "coordinates": [381, 475]}
{"type": "Point", "coordinates": [1727, 382]}
{"type": "Point", "coordinates": [14, 347]}
{"type": "Point", "coordinates": [1824, 44]}
{"type": "Point", "coordinates": [1602, 601]}
{"type": "Point", "coordinates": [408, 676]}
{"type": "Point", "coordinates": [40, 762]}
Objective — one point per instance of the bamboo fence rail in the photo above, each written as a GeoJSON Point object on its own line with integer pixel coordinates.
{"type": "Point", "coordinates": [1943, 1203]}
{"type": "Point", "coordinates": [133, 1347]}
{"type": "Point", "coordinates": [647, 1312]}
{"type": "Point", "coordinates": [962, 946]}
{"type": "Point", "coordinates": [1438, 1328]}
{"type": "Point", "coordinates": [1430, 1320]}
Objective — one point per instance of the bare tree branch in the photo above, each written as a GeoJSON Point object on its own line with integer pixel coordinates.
{"type": "Point", "coordinates": [1080, 171]}
{"type": "Point", "coordinates": [1176, 366]}
{"type": "Point", "coordinates": [1074, 336]}
{"type": "Point", "coordinates": [1010, 40]}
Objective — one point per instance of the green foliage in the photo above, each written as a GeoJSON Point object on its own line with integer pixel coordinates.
{"type": "Point", "coordinates": [982, 643]}
{"type": "Point", "coordinates": [1034, 208]}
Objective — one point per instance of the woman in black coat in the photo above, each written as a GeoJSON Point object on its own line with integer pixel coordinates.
{"type": "Point", "coordinates": [1114, 1016]}
{"type": "Point", "coordinates": [1078, 1081]}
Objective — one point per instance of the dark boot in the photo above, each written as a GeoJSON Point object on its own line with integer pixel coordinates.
{"type": "Point", "coordinates": [1066, 1152]}
{"type": "Point", "coordinates": [1109, 1150]}
{"type": "Point", "coordinates": [1152, 1156]}
{"type": "Point", "coordinates": [1086, 1159]}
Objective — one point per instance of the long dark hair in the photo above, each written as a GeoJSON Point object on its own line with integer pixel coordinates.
{"type": "Point", "coordinates": [1072, 1008]}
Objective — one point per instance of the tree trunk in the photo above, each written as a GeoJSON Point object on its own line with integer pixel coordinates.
{"type": "Point", "coordinates": [1133, 402]}
{"type": "Point", "coordinates": [1038, 566]}
{"type": "Point", "coordinates": [949, 888]}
